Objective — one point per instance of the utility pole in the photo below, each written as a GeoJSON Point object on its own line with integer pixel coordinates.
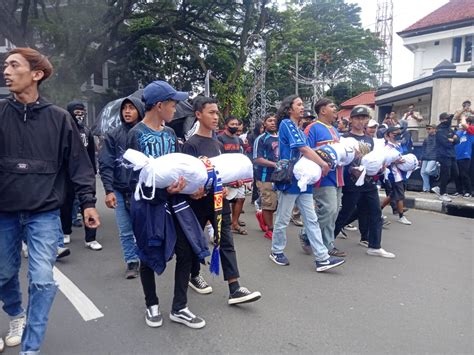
{"type": "Point", "coordinates": [297, 70]}
{"type": "Point", "coordinates": [384, 31]}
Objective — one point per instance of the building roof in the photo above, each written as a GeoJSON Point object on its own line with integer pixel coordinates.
{"type": "Point", "coordinates": [364, 98]}
{"type": "Point", "coordinates": [454, 11]}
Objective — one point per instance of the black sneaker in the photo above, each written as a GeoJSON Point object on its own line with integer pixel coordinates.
{"type": "Point", "coordinates": [62, 252]}
{"type": "Point", "coordinates": [243, 295]}
{"type": "Point", "coordinates": [186, 317]}
{"type": "Point", "coordinates": [153, 317]}
{"type": "Point", "coordinates": [200, 285]}
{"type": "Point", "coordinates": [336, 252]}
{"type": "Point", "coordinates": [329, 263]}
{"type": "Point", "coordinates": [132, 270]}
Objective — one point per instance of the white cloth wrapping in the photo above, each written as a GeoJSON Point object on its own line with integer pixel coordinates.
{"type": "Point", "coordinates": [349, 142]}
{"type": "Point", "coordinates": [391, 156]}
{"type": "Point", "coordinates": [370, 165]}
{"type": "Point", "coordinates": [410, 164]}
{"type": "Point", "coordinates": [345, 154]}
{"type": "Point", "coordinates": [233, 167]}
{"type": "Point", "coordinates": [307, 172]}
{"type": "Point", "coordinates": [166, 170]}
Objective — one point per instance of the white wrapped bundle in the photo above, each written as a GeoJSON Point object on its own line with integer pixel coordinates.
{"type": "Point", "coordinates": [349, 142]}
{"type": "Point", "coordinates": [166, 170]}
{"type": "Point", "coordinates": [370, 165]}
{"type": "Point", "coordinates": [233, 167]}
{"type": "Point", "coordinates": [409, 165]}
{"type": "Point", "coordinates": [391, 156]}
{"type": "Point", "coordinates": [345, 154]}
{"type": "Point", "coordinates": [307, 172]}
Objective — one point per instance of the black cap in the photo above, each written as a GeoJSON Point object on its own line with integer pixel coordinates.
{"type": "Point", "coordinates": [430, 126]}
{"type": "Point", "coordinates": [360, 111]}
{"type": "Point", "coordinates": [392, 129]}
{"type": "Point", "coordinates": [444, 116]}
{"type": "Point", "coordinates": [308, 114]}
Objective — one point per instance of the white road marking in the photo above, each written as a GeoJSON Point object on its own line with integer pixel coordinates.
{"type": "Point", "coordinates": [78, 299]}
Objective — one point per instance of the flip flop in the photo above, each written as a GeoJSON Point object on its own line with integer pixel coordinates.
{"type": "Point", "coordinates": [239, 230]}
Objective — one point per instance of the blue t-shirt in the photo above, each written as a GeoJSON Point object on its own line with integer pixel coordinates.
{"type": "Point", "coordinates": [266, 147]}
{"type": "Point", "coordinates": [464, 147]}
{"type": "Point", "coordinates": [150, 142]}
{"type": "Point", "coordinates": [290, 138]}
{"type": "Point", "coordinates": [320, 134]}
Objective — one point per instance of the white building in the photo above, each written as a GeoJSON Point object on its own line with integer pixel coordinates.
{"type": "Point", "coordinates": [446, 33]}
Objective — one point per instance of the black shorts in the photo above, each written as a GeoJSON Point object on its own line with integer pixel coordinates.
{"type": "Point", "coordinates": [397, 191]}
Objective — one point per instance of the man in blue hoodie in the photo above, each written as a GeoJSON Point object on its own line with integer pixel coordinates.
{"type": "Point", "coordinates": [115, 178]}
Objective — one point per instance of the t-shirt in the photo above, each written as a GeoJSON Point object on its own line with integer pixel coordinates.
{"type": "Point", "coordinates": [290, 139]}
{"type": "Point", "coordinates": [266, 147]}
{"type": "Point", "coordinates": [349, 179]}
{"type": "Point", "coordinates": [231, 144]}
{"type": "Point", "coordinates": [464, 147]}
{"type": "Point", "coordinates": [395, 174]}
{"type": "Point", "coordinates": [320, 134]}
{"type": "Point", "coordinates": [210, 147]}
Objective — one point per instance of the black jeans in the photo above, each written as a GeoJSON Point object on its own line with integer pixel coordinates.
{"type": "Point", "coordinates": [463, 181]}
{"type": "Point", "coordinates": [448, 170]}
{"type": "Point", "coordinates": [227, 253]}
{"type": "Point", "coordinates": [370, 212]}
{"type": "Point", "coordinates": [184, 259]}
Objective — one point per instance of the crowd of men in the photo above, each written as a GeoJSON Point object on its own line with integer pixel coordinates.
{"type": "Point", "coordinates": [48, 165]}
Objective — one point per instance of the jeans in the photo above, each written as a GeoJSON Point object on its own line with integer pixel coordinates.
{"type": "Point", "coordinates": [428, 168]}
{"type": "Point", "coordinates": [124, 225]}
{"type": "Point", "coordinates": [41, 231]}
{"type": "Point", "coordinates": [328, 200]}
{"type": "Point", "coordinates": [305, 203]}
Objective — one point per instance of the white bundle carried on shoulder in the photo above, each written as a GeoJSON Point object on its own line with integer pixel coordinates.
{"type": "Point", "coordinates": [345, 153]}
{"type": "Point", "coordinates": [307, 172]}
{"type": "Point", "coordinates": [233, 167]}
{"type": "Point", "coordinates": [409, 165]}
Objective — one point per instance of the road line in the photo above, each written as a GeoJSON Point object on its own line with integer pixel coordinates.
{"type": "Point", "coordinates": [78, 299]}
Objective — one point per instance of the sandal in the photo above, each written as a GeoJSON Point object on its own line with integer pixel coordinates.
{"type": "Point", "coordinates": [239, 230]}
{"type": "Point", "coordinates": [241, 223]}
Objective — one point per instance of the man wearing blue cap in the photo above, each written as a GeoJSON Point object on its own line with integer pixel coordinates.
{"type": "Point", "coordinates": [164, 224]}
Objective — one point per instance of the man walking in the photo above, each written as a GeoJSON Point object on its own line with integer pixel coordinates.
{"type": "Point", "coordinates": [40, 148]}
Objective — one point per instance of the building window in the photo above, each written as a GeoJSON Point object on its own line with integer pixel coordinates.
{"type": "Point", "coordinates": [98, 77]}
{"type": "Point", "coordinates": [468, 48]}
{"type": "Point", "coordinates": [436, 43]}
{"type": "Point", "coordinates": [456, 55]}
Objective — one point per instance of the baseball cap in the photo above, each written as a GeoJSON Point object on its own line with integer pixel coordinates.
{"type": "Point", "coordinates": [372, 123]}
{"type": "Point", "coordinates": [392, 129]}
{"type": "Point", "coordinates": [360, 111]}
{"type": "Point", "coordinates": [444, 116]}
{"type": "Point", "coordinates": [159, 91]}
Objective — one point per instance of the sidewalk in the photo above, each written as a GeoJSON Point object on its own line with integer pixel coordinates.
{"type": "Point", "coordinates": [429, 201]}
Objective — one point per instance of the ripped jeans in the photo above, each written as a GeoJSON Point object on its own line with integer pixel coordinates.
{"type": "Point", "coordinates": [41, 232]}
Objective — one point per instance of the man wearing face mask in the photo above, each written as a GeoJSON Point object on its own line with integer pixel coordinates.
{"type": "Point", "coordinates": [78, 112]}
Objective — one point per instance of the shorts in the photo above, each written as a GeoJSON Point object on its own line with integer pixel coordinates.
{"type": "Point", "coordinates": [397, 191]}
{"type": "Point", "coordinates": [268, 197]}
{"type": "Point", "coordinates": [235, 192]}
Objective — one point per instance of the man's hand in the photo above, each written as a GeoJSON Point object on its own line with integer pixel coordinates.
{"type": "Point", "coordinates": [177, 186]}
{"type": "Point", "coordinates": [324, 168]}
{"type": "Point", "coordinates": [91, 218]}
{"type": "Point", "coordinates": [225, 192]}
{"type": "Point", "coordinates": [200, 193]}
{"type": "Point", "coordinates": [111, 200]}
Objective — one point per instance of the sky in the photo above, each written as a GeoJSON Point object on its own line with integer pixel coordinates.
{"type": "Point", "coordinates": [405, 13]}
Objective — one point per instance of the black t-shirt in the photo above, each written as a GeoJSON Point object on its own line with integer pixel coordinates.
{"type": "Point", "coordinates": [231, 144]}
{"type": "Point", "coordinates": [349, 180]}
{"type": "Point", "coordinates": [210, 147]}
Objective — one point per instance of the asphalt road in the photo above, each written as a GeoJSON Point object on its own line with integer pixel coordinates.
{"type": "Point", "coordinates": [420, 302]}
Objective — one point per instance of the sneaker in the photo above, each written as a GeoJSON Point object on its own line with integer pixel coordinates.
{"type": "Point", "coordinates": [243, 295]}
{"type": "Point", "coordinates": [467, 195]}
{"type": "Point", "coordinates": [268, 234]}
{"type": "Point", "coordinates": [15, 332]}
{"type": "Point", "coordinates": [404, 220]}
{"type": "Point", "coordinates": [436, 190]}
{"type": "Point", "coordinates": [24, 249]}
{"type": "Point", "coordinates": [279, 259]}
{"type": "Point", "coordinates": [456, 194]}
{"type": "Point", "coordinates": [342, 234]}
{"type": "Point", "coordinates": [188, 318]}
{"type": "Point", "coordinates": [2, 345]}
{"type": "Point", "coordinates": [445, 198]}
{"type": "Point", "coordinates": [94, 245]}
{"type": "Point", "coordinates": [304, 242]}
{"type": "Point", "coordinates": [63, 252]}
{"type": "Point", "coordinates": [386, 223]}
{"type": "Point", "coordinates": [200, 285]}
{"type": "Point", "coordinates": [329, 263]}
{"type": "Point", "coordinates": [350, 227]}
{"type": "Point", "coordinates": [261, 222]}
{"type": "Point", "coordinates": [364, 243]}
{"type": "Point", "coordinates": [153, 317]}
{"type": "Point", "coordinates": [132, 270]}
{"type": "Point", "coordinates": [380, 252]}
{"type": "Point", "coordinates": [67, 238]}
{"type": "Point", "coordinates": [297, 221]}
{"type": "Point", "coordinates": [77, 223]}
{"type": "Point", "coordinates": [337, 252]}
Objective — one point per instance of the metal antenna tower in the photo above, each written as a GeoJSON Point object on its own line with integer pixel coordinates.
{"type": "Point", "coordinates": [384, 31]}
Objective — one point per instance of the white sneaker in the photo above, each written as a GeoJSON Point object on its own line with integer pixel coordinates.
{"type": "Point", "coordinates": [436, 190]}
{"type": "Point", "coordinates": [364, 243]}
{"type": "Point", "coordinates": [94, 245]}
{"type": "Point", "coordinates": [24, 249]}
{"type": "Point", "coordinates": [380, 252]}
{"type": "Point", "coordinates": [15, 333]}
{"type": "Point", "coordinates": [67, 238]}
{"type": "Point", "coordinates": [404, 220]}
{"type": "Point", "coordinates": [445, 198]}
{"type": "Point", "coordinates": [350, 227]}
{"type": "Point", "coordinates": [2, 345]}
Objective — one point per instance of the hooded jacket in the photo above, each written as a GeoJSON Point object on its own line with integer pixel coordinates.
{"type": "Point", "coordinates": [429, 148]}
{"type": "Point", "coordinates": [114, 175]}
{"type": "Point", "coordinates": [40, 148]}
{"type": "Point", "coordinates": [445, 148]}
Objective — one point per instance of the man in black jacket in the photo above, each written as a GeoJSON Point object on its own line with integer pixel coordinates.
{"type": "Point", "coordinates": [39, 148]}
{"type": "Point", "coordinates": [446, 155]}
{"type": "Point", "coordinates": [115, 177]}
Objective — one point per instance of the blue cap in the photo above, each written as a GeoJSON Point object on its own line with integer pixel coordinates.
{"type": "Point", "coordinates": [159, 91]}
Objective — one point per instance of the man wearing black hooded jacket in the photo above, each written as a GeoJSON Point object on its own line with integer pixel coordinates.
{"type": "Point", "coordinates": [115, 177]}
